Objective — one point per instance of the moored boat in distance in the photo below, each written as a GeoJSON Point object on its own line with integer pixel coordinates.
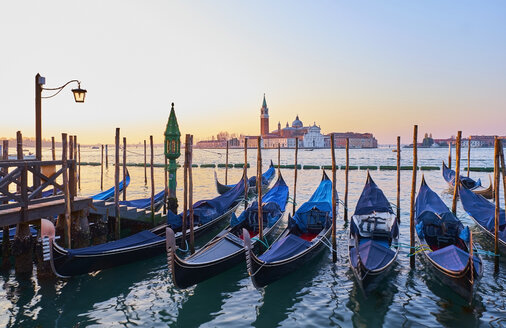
{"type": "Point", "coordinates": [227, 248]}
{"type": "Point", "coordinates": [267, 177]}
{"type": "Point", "coordinates": [483, 214]}
{"type": "Point", "coordinates": [473, 185]}
{"type": "Point", "coordinates": [107, 194]}
{"type": "Point", "coordinates": [145, 203]}
{"type": "Point", "coordinates": [373, 236]}
{"type": "Point", "coordinates": [445, 244]}
{"type": "Point", "coordinates": [69, 262]}
{"type": "Point", "coordinates": [300, 242]}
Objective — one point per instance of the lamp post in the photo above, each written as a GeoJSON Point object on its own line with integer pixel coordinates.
{"type": "Point", "coordinates": [172, 150]}
{"type": "Point", "coordinates": [79, 95]}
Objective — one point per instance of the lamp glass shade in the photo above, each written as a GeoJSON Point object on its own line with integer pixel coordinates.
{"type": "Point", "coordinates": [79, 95]}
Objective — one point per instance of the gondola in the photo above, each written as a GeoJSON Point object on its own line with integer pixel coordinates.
{"type": "Point", "coordinates": [483, 213]}
{"type": "Point", "coordinates": [145, 203]}
{"type": "Point", "coordinates": [148, 243]}
{"type": "Point", "coordinates": [107, 194]}
{"type": "Point", "coordinates": [374, 231]}
{"type": "Point", "coordinates": [445, 243]}
{"type": "Point", "coordinates": [267, 177]}
{"type": "Point", "coordinates": [301, 241]}
{"type": "Point", "coordinates": [227, 248]}
{"type": "Point", "coordinates": [473, 185]}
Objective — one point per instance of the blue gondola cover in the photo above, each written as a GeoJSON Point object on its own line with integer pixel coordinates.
{"type": "Point", "coordinates": [321, 200]}
{"type": "Point", "coordinates": [105, 195]}
{"type": "Point", "coordinates": [483, 211]}
{"type": "Point", "coordinates": [453, 258]}
{"type": "Point", "coordinates": [143, 202]}
{"type": "Point", "coordinates": [373, 254]}
{"type": "Point", "coordinates": [206, 210]}
{"type": "Point", "coordinates": [285, 248]}
{"type": "Point", "coordinates": [372, 199]}
{"type": "Point", "coordinates": [449, 176]}
{"type": "Point", "coordinates": [273, 203]}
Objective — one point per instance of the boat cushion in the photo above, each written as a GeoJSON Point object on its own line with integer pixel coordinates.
{"type": "Point", "coordinates": [143, 237]}
{"type": "Point", "coordinates": [453, 258]}
{"type": "Point", "coordinates": [285, 248]}
{"type": "Point", "coordinates": [373, 254]}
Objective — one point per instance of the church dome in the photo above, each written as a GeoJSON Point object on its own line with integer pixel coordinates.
{"type": "Point", "coordinates": [297, 123]}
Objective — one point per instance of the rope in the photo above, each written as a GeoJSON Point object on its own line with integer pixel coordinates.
{"type": "Point", "coordinates": [266, 244]}
{"type": "Point", "coordinates": [290, 200]}
{"type": "Point", "coordinates": [342, 203]}
{"type": "Point", "coordinates": [187, 248]}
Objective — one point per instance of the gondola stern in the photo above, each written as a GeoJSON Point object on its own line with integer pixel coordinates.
{"type": "Point", "coordinates": [170, 247]}
{"type": "Point", "coordinates": [48, 237]}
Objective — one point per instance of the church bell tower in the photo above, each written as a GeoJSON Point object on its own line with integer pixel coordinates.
{"type": "Point", "coordinates": [264, 119]}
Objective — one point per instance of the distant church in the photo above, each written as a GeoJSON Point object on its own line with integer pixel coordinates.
{"type": "Point", "coordinates": [308, 136]}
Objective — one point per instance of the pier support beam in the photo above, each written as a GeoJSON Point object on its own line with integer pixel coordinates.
{"type": "Point", "coordinates": [80, 229]}
{"type": "Point", "coordinates": [22, 247]}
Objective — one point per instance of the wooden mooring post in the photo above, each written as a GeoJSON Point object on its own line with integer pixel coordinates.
{"type": "Point", "coordinates": [79, 163]}
{"type": "Point", "coordinates": [468, 155]}
{"type": "Point", "coordinates": [226, 166]}
{"type": "Point", "coordinates": [412, 202]}
{"type": "Point", "coordinates": [190, 194]}
{"type": "Point", "coordinates": [22, 247]}
{"type": "Point", "coordinates": [53, 150]}
{"type": "Point", "coordinates": [245, 173]}
{"type": "Point", "coordinates": [185, 192]}
{"type": "Point", "coordinates": [6, 244]}
{"type": "Point", "coordinates": [124, 168]}
{"type": "Point", "coordinates": [145, 170]}
{"type": "Point", "coordinates": [398, 179]}
{"type": "Point", "coordinates": [497, 176]}
{"type": "Point", "coordinates": [457, 173]}
{"type": "Point", "coordinates": [152, 171]}
{"type": "Point", "coordinates": [106, 157]}
{"type": "Point", "coordinates": [66, 191]}
{"type": "Point", "coordinates": [116, 184]}
{"type": "Point", "coordinates": [102, 168]}
{"type": "Point", "coordinates": [295, 177]}
{"type": "Point", "coordinates": [259, 189]}
{"type": "Point", "coordinates": [449, 154]}
{"type": "Point", "coordinates": [334, 196]}
{"type": "Point", "coordinates": [346, 179]}
{"type": "Point", "coordinates": [279, 159]}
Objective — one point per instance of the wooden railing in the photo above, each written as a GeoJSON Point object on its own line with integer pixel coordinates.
{"type": "Point", "coordinates": [26, 194]}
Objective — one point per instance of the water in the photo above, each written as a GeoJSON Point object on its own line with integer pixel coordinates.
{"type": "Point", "coordinates": [320, 294]}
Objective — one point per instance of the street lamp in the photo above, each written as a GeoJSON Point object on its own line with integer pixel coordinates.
{"type": "Point", "coordinates": [79, 95]}
{"type": "Point", "coordinates": [172, 150]}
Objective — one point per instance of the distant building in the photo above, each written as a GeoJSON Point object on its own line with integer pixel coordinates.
{"type": "Point", "coordinates": [313, 137]}
{"type": "Point", "coordinates": [264, 119]}
{"type": "Point", "coordinates": [476, 141]}
{"type": "Point", "coordinates": [357, 140]}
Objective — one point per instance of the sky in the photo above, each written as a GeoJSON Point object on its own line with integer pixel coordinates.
{"type": "Point", "coordinates": [361, 66]}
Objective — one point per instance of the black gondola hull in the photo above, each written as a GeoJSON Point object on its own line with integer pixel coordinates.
{"type": "Point", "coordinates": [263, 274]}
{"type": "Point", "coordinates": [66, 265]}
{"type": "Point", "coordinates": [186, 274]}
{"type": "Point", "coordinates": [460, 282]}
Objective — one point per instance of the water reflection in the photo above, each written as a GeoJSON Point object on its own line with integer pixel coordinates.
{"type": "Point", "coordinates": [369, 309]}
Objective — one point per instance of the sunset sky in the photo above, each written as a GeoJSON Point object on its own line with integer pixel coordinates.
{"type": "Point", "coordinates": [362, 66]}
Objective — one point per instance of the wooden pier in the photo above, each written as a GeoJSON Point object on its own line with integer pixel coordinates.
{"type": "Point", "coordinates": [107, 209]}
{"type": "Point", "coordinates": [26, 204]}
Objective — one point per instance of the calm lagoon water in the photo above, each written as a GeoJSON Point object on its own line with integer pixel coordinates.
{"type": "Point", "coordinates": [319, 295]}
